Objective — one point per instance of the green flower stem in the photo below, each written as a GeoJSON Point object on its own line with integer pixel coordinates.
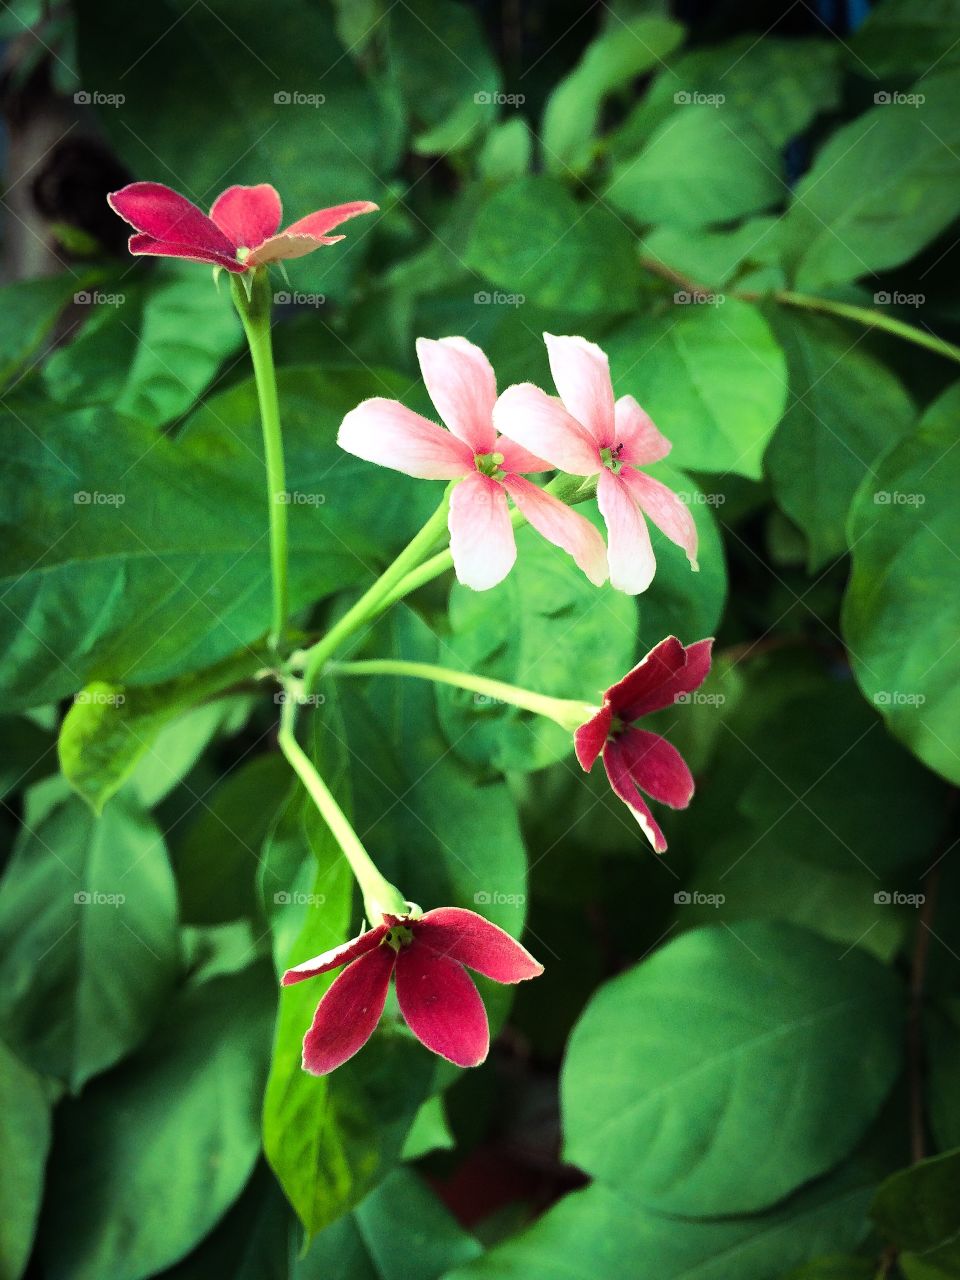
{"type": "Point", "coordinates": [371, 602]}
{"type": "Point", "coordinates": [564, 711]}
{"type": "Point", "coordinates": [872, 320]}
{"type": "Point", "coordinates": [254, 311]}
{"type": "Point", "coordinates": [380, 897]}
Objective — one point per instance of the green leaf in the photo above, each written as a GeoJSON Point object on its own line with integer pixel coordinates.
{"type": "Point", "coordinates": [902, 38]}
{"type": "Point", "coordinates": [401, 1220]}
{"type": "Point", "coordinates": [702, 165]}
{"type": "Point", "coordinates": [164, 1144]}
{"type": "Point", "coordinates": [109, 729]}
{"type": "Point", "coordinates": [88, 943]}
{"type": "Point", "coordinates": [845, 409]}
{"type": "Point", "coordinates": [623, 50]}
{"type": "Point", "coordinates": [27, 752]}
{"type": "Point", "coordinates": [879, 190]}
{"type": "Point", "coordinates": [535, 241]}
{"type": "Point", "coordinates": [712, 377]}
{"type": "Point", "coordinates": [507, 151]}
{"type": "Point", "coordinates": [943, 1054]}
{"type": "Point", "coordinates": [133, 558]}
{"type": "Point", "coordinates": [916, 1209]}
{"type": "Point", "coordinates": [523, 632]}
{"type": "Point", "coordinates": [24, 1139]}
{"type": "Point", "coordinates": [150, 353]}
{"type": "Point", "coordinates": [902, 607]}
{"type": "Point", "coordinates": [713, 257]}
{"type": "Point", "coordinates": [836, 1267]}
{"type": "Point", "coordinates": [28, 311]}
{"type": "Point", "coordinates": [730, 1068]}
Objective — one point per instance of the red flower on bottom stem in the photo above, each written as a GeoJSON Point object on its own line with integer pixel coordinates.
{"type": "Point", "coordinates": [437, 998]}
{"type": "Point", "coordinates": [635, 759]}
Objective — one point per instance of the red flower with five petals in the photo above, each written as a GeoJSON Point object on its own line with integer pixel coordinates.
{"type": "Point", "coordinates": [241, 232]}
{"type": "Point", "coordinates": [635, 759]}
{"type": "Point", "coordinates": [425, 955]}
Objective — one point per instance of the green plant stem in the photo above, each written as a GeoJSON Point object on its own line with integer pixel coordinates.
{"type": "Point", "coordinates": [564, 711]}
{"type": "Point", "coordinates": [871, 319]}
{"type": "Point", "coordinates": [254, 314]}
{"type": "Point", "coordinates": [380, 897]}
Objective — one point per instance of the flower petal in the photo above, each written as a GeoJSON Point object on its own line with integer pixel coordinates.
{"type": "Point", "coordinates": [541, 424]}
{"type": "Point", "coordinates": [472, 940]}
{"type": "Point", "coordinates": [589, 739]}
{"type": "Point", "coordinates": [337, 956]}
{"type": "Point", "coordinates": [656, 767]}
{"type": "Point", "coordinates": [165, 215]}
{"type": "Point", "coordinates": [632, 562]}
{"type": "Point", "coordinates": [642, 442]}
{"type": "Point", "coordinates": [581, 372]}
{"type": "Point", "coordinates": [349, 1012]}
{"type": "Point", "coordinates": [463, 386]}
{"type": "Point", "coordinates": [309, 233]}
{"type": "Point", "coordinates": [518, 460]}
{"type": "Point", "coordinates": [562, 526]}
{"type": "Point", "coordinates": [247, 215]}
{"type": "Point", "coordinates": [390, 434]}
{"type": "Point", "coordinates": [665, 509]}
{"type": "Point", "coordinates": [441, 1005]}
{"type": "Point", "coordinates": [626, 789]}
{"type": "Point", "coordinates": [145, 246]}
{"type": "Point", "coordinates": [482, 542]}
{"type": "Point", "coordinates": [666, 681]}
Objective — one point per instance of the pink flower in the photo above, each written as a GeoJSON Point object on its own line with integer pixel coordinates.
{"type": "Point", "coordinates": [463, 388]}
{"type": "Point", "coordinates": [437, 998]}
{"type": "Point", "coordinates": [241, 231]}
{"type": "Point", "coordinates": [591, 434]}
{"type": "Point", "coordinates": [636, 760]}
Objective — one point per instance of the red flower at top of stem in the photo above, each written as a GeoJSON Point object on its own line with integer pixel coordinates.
{"type": "Point", "coordinates": [241, 232]}
{"type": "Point", "coordinates": [425, 955]}
{"type": "Point", "coordinates": [635, 759]}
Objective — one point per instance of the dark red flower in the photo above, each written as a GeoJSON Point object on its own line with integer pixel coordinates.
{"type": "Point", "coordinates": [241, 232]}
{"type": "Point", "coordinates": [425, 956]}
{"type": "Point", "coordinates": [635, 759]}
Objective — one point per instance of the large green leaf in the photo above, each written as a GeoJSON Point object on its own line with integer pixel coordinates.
{"type": "Point", "coordinates": [900, 38]}
{"type": "Point", "coordinates": [845, 408]}
{"type": "Point", "coordinates": [28, 311]}
{"type": "Point", "coordinates": [730, 1068]}
{"type": "Point", "coordinates": [714, 256]}
{"type": "Point", "coordinates": [902, 609]}
{"type": "Point", "coordinates": [879, 190]}
{"type": "Point", "coordinates": [916, 1210]}
{"type": "Point", "coordinates": [24, 1141]}
{"type": "Point", "coordinates": [133, 558]}
{"type": "Point", "coordinates": [151, 1156]}
{"type": "Point", "coordinates": [703, 165]}
{"type": "Point", "coordinates": [534, 241]}
{"type": "Point", "coordinates": [88, 942]}
{"type": "Point", "coordinates": [712, 377]}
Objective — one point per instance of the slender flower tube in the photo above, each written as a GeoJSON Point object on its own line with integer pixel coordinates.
{"type": "Point", "coordinates": [425, 955]}
{"type": "Point", "coordinates": [586, 432]}
{"type": "Point", "coordinates": [242, 231]}
{"type": "Point", "coordinates": [462, 386]}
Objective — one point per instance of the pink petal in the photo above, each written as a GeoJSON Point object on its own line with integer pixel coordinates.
{"type": "Point", "coordinates": [541, 424]}
{"type": "Point", "coordinates": [143, 245]}
{"type": "Point", "coordinates": [625, 788]}
{"type": "Point", "coordinates": [336, 957]}
{"type": "Point", "coordinates": [247, 215]}
{"type": "Point", "coordinates": [349, 1012]}
{"type": "Point", "coordinates": [390, 434]}
{"type": "Point", "coordinates": [560, 525]}
{"type": "Point", "coordinates": [469, 939]}
{"type": "Point", "coordinates": [308, 233]}
{"type": "Point", "coordinates": [482, 542]}
{"type": "Point", "coordinates": [642, 442]}
{"type": "Point", "coordinates": [665, 509]}
{"type": "Point", "coordinates": [656, 767]}
{"type": "Point", "coordinates": [165, 215]}
{"type": "Point", "coordinates": [643, 682]}
{"type": "Point", "coordinates": [589, 739]}
{"type": "Point", "coordinates": [519, 460]}
{"type": "Point", "coordinates": [653, 694]}
{"type": "Point", "coordinates": [441, 1006]}
{"type": "Point", "coordinates": [632, 562]}
{"type": "Point", "coordinates": [463, 387]}
{"type": "Point", "coordinates": [581, 372]}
